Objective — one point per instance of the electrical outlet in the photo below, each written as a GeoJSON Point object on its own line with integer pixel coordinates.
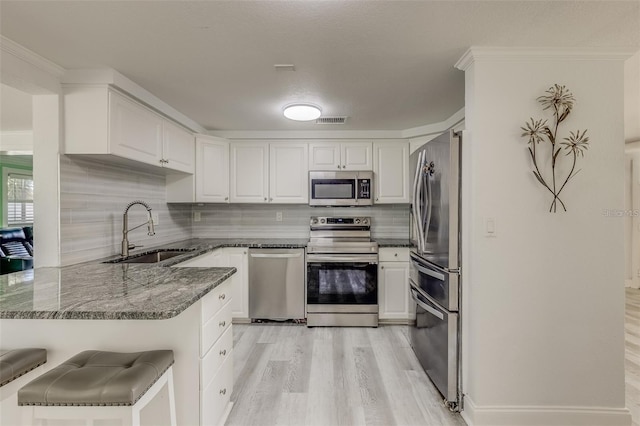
{"type": "Point", "coordinates": [197, 217]}
{"type": "Point", "coordinates": [156, 218]}
{"type": "Point", "coordinates": [278, 216]}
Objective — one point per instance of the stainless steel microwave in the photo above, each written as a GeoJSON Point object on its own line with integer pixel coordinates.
{"type": "Point", "coordinates": [340, 188]}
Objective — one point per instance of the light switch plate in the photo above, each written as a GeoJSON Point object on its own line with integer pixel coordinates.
{"type": "Point", "coordinates": [197, 216]}
{"type": "Point", "coordinates": [278, 216]}
{"type": "Point", "coordinates": [490, 227]}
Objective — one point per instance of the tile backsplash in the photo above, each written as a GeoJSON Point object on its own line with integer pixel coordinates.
{"type": "Point", "coordinates": [259, 220]}
{"type": "Point", "coordinates": [93, 196]}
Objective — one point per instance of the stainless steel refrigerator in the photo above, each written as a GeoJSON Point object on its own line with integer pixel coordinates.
{"type": "Point", "coordinates": [435, 262]}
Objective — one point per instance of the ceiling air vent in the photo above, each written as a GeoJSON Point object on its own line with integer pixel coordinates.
{"type": "Point", "coordinates": [331, 120]}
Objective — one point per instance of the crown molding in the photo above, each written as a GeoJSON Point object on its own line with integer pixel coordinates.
{"type": "Point", "coordinates": [476, 53]}
{"type": "Point", "coordinates": [10, 47]}
{"type": "Point", "coordinates": [307, 134]}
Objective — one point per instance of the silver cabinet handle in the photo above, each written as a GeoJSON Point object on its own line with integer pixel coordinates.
{"type": "Point", "coordinates": [396, 255]}
{"type": "Point", "coordinates": [222, 323]}
{"type": "Point", "coordinates": [222, 296]}
{"type": "Point", "coordinates": [265, 198]}
{"type": "Point", "coordinates": [223, 391]}
{"type": "Point", "coordinates": [338, 165]}
{"type": "Point", "coordinates": [382, 267]}
{"type": "Point", "coordinates": [226, 198]}
{"type": "Point", "coordinates": [270, 199]}
{"type": "Point", "coordinates": [426, 307]}
{"type": "Point", "coordinates": [223, 352]}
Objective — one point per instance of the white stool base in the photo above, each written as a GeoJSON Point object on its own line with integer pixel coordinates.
{"type": "Point", "coordinates": [128, 415]}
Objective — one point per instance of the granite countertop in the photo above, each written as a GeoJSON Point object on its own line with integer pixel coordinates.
{"type": "Point", "coordinates": [393, 242]}
{"type": "Point", "coordinates": [96, 290]}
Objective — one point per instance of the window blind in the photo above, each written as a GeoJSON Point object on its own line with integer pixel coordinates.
{"type": "Point", "coordinates": [19, 199]}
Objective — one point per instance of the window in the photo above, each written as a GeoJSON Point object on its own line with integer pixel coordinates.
{"type": "Point", "coordinates": [19, 199]}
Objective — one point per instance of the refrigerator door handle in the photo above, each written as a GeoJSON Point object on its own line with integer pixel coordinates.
{"type": "Point", "coordinates": [426, 307]}
{"type": "Point", "coordinates": [430, 272]}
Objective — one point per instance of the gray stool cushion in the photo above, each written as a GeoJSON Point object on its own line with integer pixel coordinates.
{"type": "Point", "coordinates": [14, 363]}
{"type": "Point", "coordinates": [98, 378]}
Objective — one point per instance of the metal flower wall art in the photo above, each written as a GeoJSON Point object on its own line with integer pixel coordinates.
{"type": "Point", "coordinates": [545, 145]}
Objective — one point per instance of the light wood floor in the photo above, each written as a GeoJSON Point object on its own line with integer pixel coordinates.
{"type": "Point", "coordinates": [294, 375]}
{"type": "Point", "coordinates": [632, 346]}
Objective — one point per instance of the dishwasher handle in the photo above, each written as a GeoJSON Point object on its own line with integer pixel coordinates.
{"type": "Point", "coordinates": [276, 255]}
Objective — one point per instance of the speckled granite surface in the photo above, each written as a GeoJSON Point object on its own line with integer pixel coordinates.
{"type": "Point", "coordinates": [96, 290]}
{"type": "Point", "coordinates": [100, 291]}
{"type": "Point", "coordinates": [390, 242]}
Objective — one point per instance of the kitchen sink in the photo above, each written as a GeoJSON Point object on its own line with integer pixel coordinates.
{"type": "Point", "coordinates": [154, 256]}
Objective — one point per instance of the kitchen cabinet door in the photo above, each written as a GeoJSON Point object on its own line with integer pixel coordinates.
{"type": "Point", "coordinates": [391, 172]}
{"type": "Point", "coordinates": [393, 291]}
{"type": "Point", "coordinates": [178, 148]}
{"type": "Point", "coordinates": [237, 257]}
{"type": "Point", "coordinates": [288, 173]}
{"type": "Point", "coordinates": [324, 156]}
{"type": "Point", "coordinates": [212, 170]}
{"type": "Point", "coordinates": [356, 156]}
{"type": "Point", "coordinates": [135, 132]}
{"type": "Point", "coordinates": [249, 180]}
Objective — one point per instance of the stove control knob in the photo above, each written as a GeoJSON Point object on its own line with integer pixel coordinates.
{"type": "Point", "coordinates": [314, 221]}
{"type": "Point", "coordinates": [365, 221]}
{"type": "Point", "coordinates": [322, 220]}
{"type": "Point", "coordinates": [357, 221]}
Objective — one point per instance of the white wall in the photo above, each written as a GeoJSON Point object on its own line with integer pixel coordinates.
{"type": "Point", "coordinates": [543, 301]}
{"type": "Point", "coordinates": [632, 98]}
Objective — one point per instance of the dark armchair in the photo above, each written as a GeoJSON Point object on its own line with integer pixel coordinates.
{"type": "Point", "coordinates": [16, 249]}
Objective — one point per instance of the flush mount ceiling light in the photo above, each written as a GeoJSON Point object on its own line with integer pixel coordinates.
{"type": "Point", "coordinates": [302, 112]}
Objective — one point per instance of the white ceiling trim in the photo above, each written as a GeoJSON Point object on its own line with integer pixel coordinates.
{"type": "Point", "coordinates": [475, 53]}
{"type": "Point", "coordinates": [113, 77]}
{"type": "Point", "coordinates": [11, 47]}
{"type": "Point", "coordinates": [308, 134]}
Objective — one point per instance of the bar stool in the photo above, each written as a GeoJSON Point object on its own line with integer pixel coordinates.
{"type": "Point", "coordinates": [17, 367]}
{"type": "Point", "coordinates": [100, 385]}
{"type": "Point", "coordinates": [16, 362]}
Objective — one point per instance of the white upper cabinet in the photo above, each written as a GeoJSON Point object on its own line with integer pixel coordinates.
{"type": "Point", "coordinates": [288, 173]}
{"type": "Point", "coordinates": [249, 180]}
{"type": "Point", "coordinates": [178, 148]}
{"type": "Point", "coordinates": [391, 172]}
{"type": "Point", "coordinates": [340, 156]}
{"type": "Point", "coordinates": [134, 131]}
{"type": "Point", "coordinates": [263, 172]}
{"type": "Point", "coordinates": [212, 170]}
{"type": "Point", "coordinates": [106, 124]}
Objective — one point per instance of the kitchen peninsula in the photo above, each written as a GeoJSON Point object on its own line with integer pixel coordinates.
{"type": "Point", "coordinates": [129, 308]}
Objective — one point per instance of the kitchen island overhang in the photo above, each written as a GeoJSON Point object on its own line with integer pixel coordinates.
{"type": "Point", "coordinates": [125, 308]}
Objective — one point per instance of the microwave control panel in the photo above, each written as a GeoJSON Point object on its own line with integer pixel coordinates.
{"type": "Point", "coordinates": [364, 189]}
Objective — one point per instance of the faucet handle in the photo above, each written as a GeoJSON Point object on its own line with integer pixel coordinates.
{"type": "Point", "coordinates": [133, 246]}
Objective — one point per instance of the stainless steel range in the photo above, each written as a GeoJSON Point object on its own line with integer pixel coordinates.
{"type": "Point", "coordinates": [342, 273]}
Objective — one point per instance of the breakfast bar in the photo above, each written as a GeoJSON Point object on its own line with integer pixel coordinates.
{"type": "Point", "coordinates": [130, 308]}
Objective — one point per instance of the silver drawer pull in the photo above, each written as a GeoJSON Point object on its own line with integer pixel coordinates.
{"type": "Point", "coordinates": [223, 352]}
{"type": "Point", "coordinates": [222, 296]}
{"type": "Point", "coordinates": [222, 323]}
{"type": "Point", "coordinates": [223, 391]}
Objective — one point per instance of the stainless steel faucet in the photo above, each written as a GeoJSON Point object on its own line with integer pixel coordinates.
{"type": "Point", "coordinates": [125, 222]}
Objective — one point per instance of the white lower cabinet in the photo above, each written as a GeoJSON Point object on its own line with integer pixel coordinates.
{"type": "Point", "coordinates": [394, 300]}
{"type": "Point", "coordinates": [238, 258]}
{"type": "Point", "coordinates": [216, 344]}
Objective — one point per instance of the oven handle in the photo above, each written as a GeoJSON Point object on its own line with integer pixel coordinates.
{"type": "Point", "coordinates": [426, 307]}
{"type": "Point", "coordinates": [318, 258]}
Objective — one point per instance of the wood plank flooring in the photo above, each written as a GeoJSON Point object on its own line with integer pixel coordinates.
{"type": "Point", "coordinates": [632, 351]}
{"type": "Point", "coordinates": [289, 374]}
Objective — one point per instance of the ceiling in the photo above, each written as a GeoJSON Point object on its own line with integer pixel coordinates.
{"type": "Point", "coordinates": [387, 65]}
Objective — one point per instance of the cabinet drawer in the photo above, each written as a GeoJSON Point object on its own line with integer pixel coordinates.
{"type": "Point", "coordinates": [219, 352]}
{"type": "Point", "coordinates": [216, 397]}
{"type": "Point", "coordinates": [216, 299]}
{"type": "Point", "coordinates": [214, 328]}
{"type": "Point", "coordinates": [394, 254]}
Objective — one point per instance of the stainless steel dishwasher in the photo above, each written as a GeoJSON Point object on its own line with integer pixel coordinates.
{"type": "Point", "coordinates": [276, 284]}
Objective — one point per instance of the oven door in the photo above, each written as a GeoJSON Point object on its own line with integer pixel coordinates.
{"type": "Point", "coordinates": [434, 339]}
{"type": "Point", "coordinates": [335, 279]}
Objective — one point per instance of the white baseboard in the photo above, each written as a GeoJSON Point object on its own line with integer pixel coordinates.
{"type": "Point", "coordinates": [543, 415]}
